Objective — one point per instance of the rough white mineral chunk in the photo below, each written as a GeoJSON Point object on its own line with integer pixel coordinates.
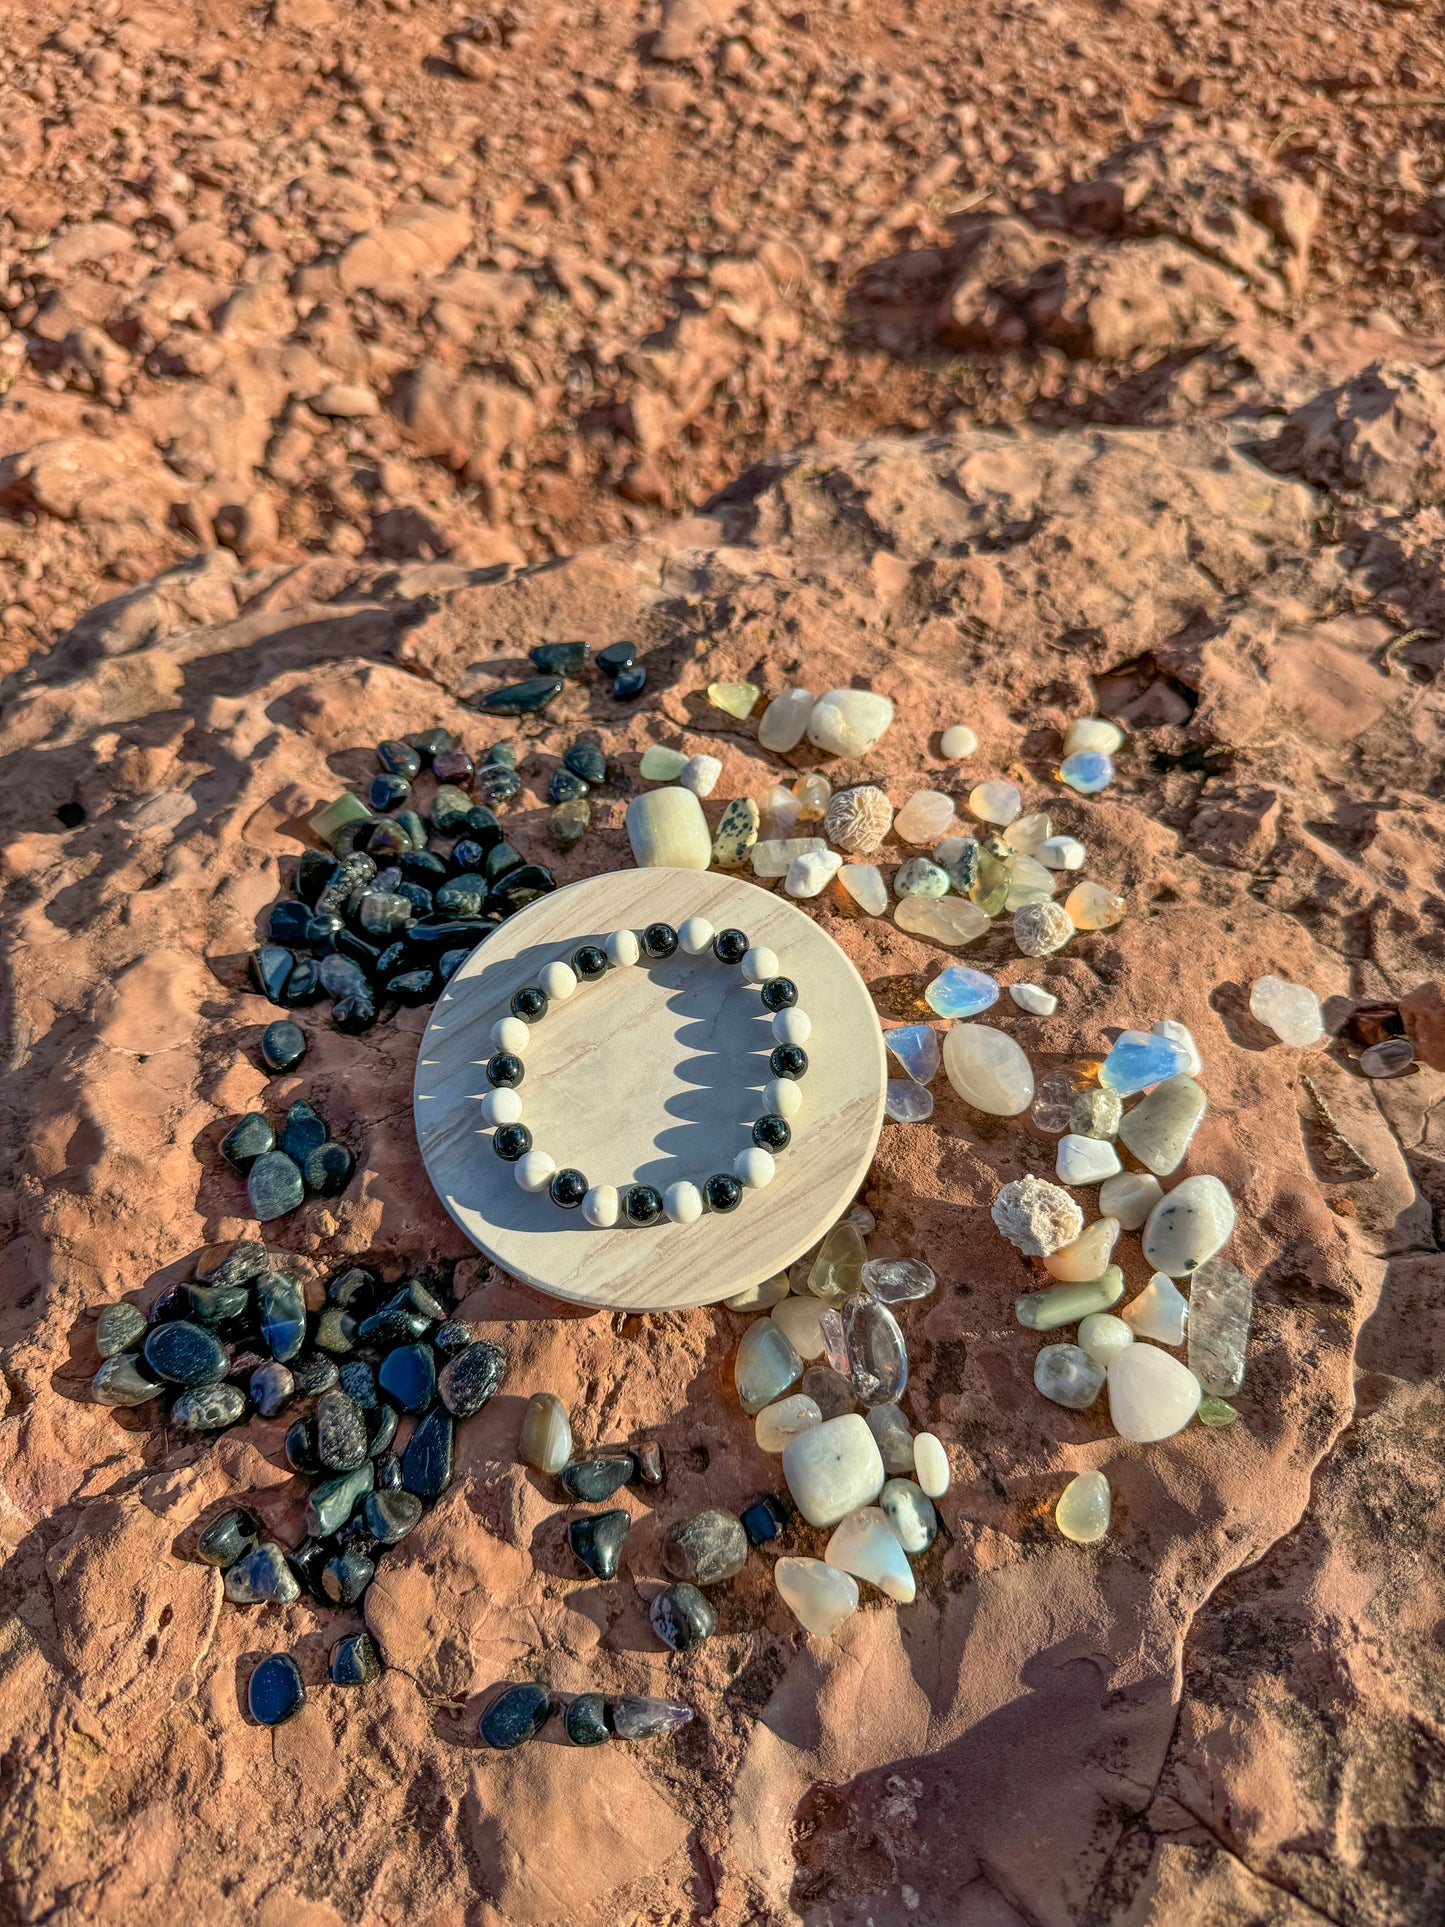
{"type": "Point", "coordinates": [1151, 1395]}
{"type": "Point", "coordinates": [1159, 1312]}
{"type": "Point", "coordinates": [1041, 928]}
{"type": "Point", "coordinates": [1291, 1011]}
{"type": "Point", "coordinates": [833, 1468]}
{"type": "Point", "coordinates": [866, 1545]}
{"type": "Point", "coordinates": [1037, 1217]}
{"type": "Point", "coordinates": [1188, 1225]}
{"type": "Point", "coordinates": [821, 1596]}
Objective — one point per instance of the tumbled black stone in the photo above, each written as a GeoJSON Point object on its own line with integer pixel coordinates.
{"type": "Point", "coordinates": [730, 946]}
{"type": "Point", "coordinates": [336, 1330]}
{"type": "Point", "coordinates": [244, 1262]}
{"type": "Point", "coordinates": [505, 1071]}
{"type": "Point", "coordinates": [316, 869]}
{"type": "Point", "coordinates": [590, 962]}
{"type": "Point", "coordinates": [303, 985]}
{"type": "Point", "coordinates": [219, 1307]}
{"type": "Point", "coordinates": [788, 1060]}
{"type": "Point", "coordinates": [501, 755]}
{"type": "Point", "coordinates": [270, 967]}
{"type": "Point", "coordinates": [516, 1715]}
{"type": "Point", "coordinates": [681, 1617]}
{"type": "Point", "coordinates": [426, 1464]}
{"type": "Point", "coordinates": [449, 963]}
{"type": "Point", "coordinates": [271, 1387]}
{"type": "Point", "coordinates": [420, 1294]}
{"type": "Point", "coordinates": [352, 1015]}
{"type": "Point", "coordinates": [650, 1468]}
{"type": "Point", "coordinates": [630, 683]}
{"type": "Point", "coordinates": [497, 785]}
{"type": "Point", "coordinates": [617, 656]}
{"type": "Point", "coordinates": [568, 1188]}
{"type": "Point", "coordinates": [449, 810]}
{"type": "Point", "coordinates": [452, 1337]}
{"type": "Point", "coordinates": [427, 940]}
{"type": "Point", "coordinates": [342, 977]}
{"type": "Point", "coordinates": [380, 1429]}
{"type": "Point", "coordinates": [500, 859]}
{"type": "Point", "coordinates": [358, 1381]}
{"type": "Point", "coordinates": [275, 1186]}
{"type": "Point", "coordinates": [400, 759]}
{"type": "Point", "coordinates": [287, 922]}
{"type": "Point", "coordinates": [529, 1003]}
{"type": "Point", "coordinates": [346, 1577]}
{"type": "Point", "coordinates": [381, 913]}
{"type": "Point", "coordinates": [422, 900]}
{"type": "Point", "coordinates": [262, 1574]}
{"type": "Point", "coordinates": [467, 1381]}
{"type": "Point", "coordinates": [186, 1354]}
{"type": "Point", "coordinates": [305, 1562]}
{"type": "Point", "coordinates": [229, 1538]}
{"type": "Point", "coordinates": [281, 1306]}
{"type": "Point", "coordinates": [722, 1192]}
{"type": "Point", "coordinates": [329, 1503]}
{"type": "Point", "coordinates": [570, 659]}
{"type": "Point", "coordinates": [305, 1129]}
{"type": "Point", "coordinates": [482, 827]}
{"type": "Point", "coordinates": [391, 838]}
{"type": "Point", "coordinates": [328, 1169]}
{"type": "Point", "coordinates": [467, 857]}
{"type": "Point", "coordinates": [519, 888]}
{"type": "Point", "coordinates": [642, 1204]}
{"type": "Point", "coordinates": [355, 1661]}
{"type": "Point", "coordinates": [390, 1516]}
{"type": "Point", "coordinates": [340, 1432]}
{"type": "Point", "coordinates": [428, 742]}
{"type": "Point", "coordinates": [453, 766]}
{"type": "Point", "coordinates": [595, 1479]}
{"type": "Point", "coordinates": [388, 1472]}
{"type": "Point", "coordinates": [463, 896]}
{"type": "Point", "coordinates": [276, 1693]}
{"type": "Point", "coordinates": [396, 1323]}
{"type": "Point", "coordinates": [411, 987]}
{"type": "Point", "coordinates": [283, 1045]}
{"type": "Point", "coordinates": [416, 831]}
{"type": "Point", "coordinates": [123, 1380]}
{"type": "Point", "coordinates": [771, 1132]}
{"type": "Point", "coordinates": [596, 1541]}
{"type": "Point", "coordinates": [173, 1303]}
{"type": "Point", "coordinates": [587, 761]}
{"type": "Point", "coordinates": [300, 1447]}
{"type": "Point", "coordinates": [564, 786]}
{"type": "Point", "coordinates": [355, 1289]}
{"type": "Point", "coordinates": [391, 960]}
{"type": "Point", "coordinates": [586, 1720]}
{"type": "Point", "coordinates": [313, 1375]}
{"type": "Point", "coordinates": [209, 1408]}
{"type": "Point", "coordinates": [118, 1328]}
{"type": "Point", "coordinates": [421, 866]}
{"type": "Point", "coordinates": [779, 993]}
{"type": "Point", "coordinates": [707, 1549]}
{"type": "Point", "coordinates": [408, 1375]}
{"type": "Point", "coordinates": [522, 698]}
{"type": "Point", "coordinates": [766, 1517]}
{"type": "Point", "coordinates": [322, 934]}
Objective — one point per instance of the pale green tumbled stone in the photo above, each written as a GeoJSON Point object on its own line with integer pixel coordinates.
{"type": "Point", "coordinates": [1161, 1127]}
{"type": "Point", "coordinates": [1216, 1412]}
{"type": "Point", "coordinates": [1084, 1508]}
{"type": "Point", "coordinates": [660, 764]}
{"type": "Point", "coordinates": [667, 830]}
{"type": "Point", "coordinates": [1046, 1311]}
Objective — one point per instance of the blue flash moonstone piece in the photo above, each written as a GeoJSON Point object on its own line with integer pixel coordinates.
{"type": "Point", "coordinates": [1139, 1059]}
{"type": "Point", "coordinates": [907, 1102]}
{"type": "Point", "coordinates": [916, 1048]}
{"type": "Point", "coordinates": [961, 992]}
{"type": "Point", "coordinates": [1087, 771]}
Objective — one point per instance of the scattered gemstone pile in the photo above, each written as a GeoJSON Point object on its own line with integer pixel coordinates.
{"type": "Point", "coordinates": [310, 1162]}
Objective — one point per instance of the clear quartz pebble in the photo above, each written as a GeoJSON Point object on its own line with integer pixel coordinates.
{"type": "Point", "coordinates": [1161, 1127]}
{"type": "Point", "coordinates": [988, 1069]}
{"type": "Point", "coordinates": [897, 1281]}
{"type": "Point", "coordinates": [1096, 1112]}
{"type": "Point", "coordinates": [1047, 1311]}
{"type": "Point", "coordinates": [835, 1345]}
{"type": "Point", "coordinates": [1130, 1197]}
{"type": "Point", "coordinates": [1221, 1306]}
{"type": "Point", "coordinates": [1188, 1225]}
{"type": "Point", "coordinates": [1067, 1375]}
{"type": "Point", "coordinates": [821, 1596]}
{"type": "Point", "coordinates": [1028, 882]}
{"type": "Point", "coordinates": [877, 1355]}
{"type": "Point", "coordinates": [1061, 853]}
{"type": "Point", "coordinates": [958, 741]}
{"type": "Point", "coordinates": [961, 992]}
{"type": "Point", "coordinates": [995, 802]}
{"type": "Point", "coordinates": [797, 1318]}
{"type": "Point", "coordinates": [778, 812]}
{"type": "Point", "coordinates": [784, 722]}
{"type": "Point", "coordinates": [926, 816]}
{"type": "Point", "coordinates": [864, 883]}
{"type": "Point", "coordinates": [1084, 1509]}
{"type": "Point", "coordinates": [907, 1102]}
{"type": "Point", "coordinates": [837, 1271]}
{"type": "Point", "coordinates": [930, 1465]}
{"type": "Point", "coordinates": [920, 878]}
{"type": "Point", "coordinates": [917, 1049]}
{"type": "Point", "coordinates": [1087, 1257]}
{"type": "Point", "coordinates": [1291, 1011]}
{"type": "Point", "coordinates": [1024, 835]}
{"type": "Point", "coordinates": [766, 1365]}
{"type": "Point", "coordinates": [546, 1441]}
{"type": "Point", "coordinates": [848, 722]}
{"type": "Point", "coordinates": [1053, 1106]}
{"type": "Point", "coordinates": [775, 856]}
{"type": "Point", "coordinates": [866, 1545]}
{"type": "Point", "coordinates": [894, 1438]}
{"type": "Point", "coordinates": [1101, 1334]}
{"type": "Point", "coordinates": [832, 1469]}
{"type": "Point", "coordinates": [1151, 1395]}
{"type": "Point", "coordinates": [1391, 1057]}
{"type": "Point", "coordinates": [1160, 1312]}
{"type": "Point", "coordinates": [911, 1515]}
{"type": "Point", "coordinates": [785, 1419]}
{"type": "Point", "coordinates": [1139, 1058]}
{"type": "Point", "coordinates": [950, 920]}
{"type": "Point", "coordinates": [1089, 906]}
{"type": "Point", "coordinates": [1037, 1001]}
{"type": "Point", "coordinates": [637, 1717]}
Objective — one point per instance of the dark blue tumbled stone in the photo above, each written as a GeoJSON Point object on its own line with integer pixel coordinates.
{"type": "Point", "coordinates": [355, 1661]}
{"type": "Point", "coordinates": [765, 1518]}
{"type": "Point", "coordinates": [287, 922]}
{"type": "Point", "coordinates": [388, 839]}
{"type": "Point", "coordinates": [300, 1447]}
{"type": "Point", "coordinates": [327, 1170]}
{"type": "Point", "coordinates": [596, 1541]}
{"type": "Point", "coordinates": [330, 1502]}
{"type": "Point", "coordinates": [449, 963]}
{"type": "Point", "coordinates": [386, 792]}
{"type": "Point", "coordinates": [305, 1562]}
{"type": "Point", "coordinates": [281, 1305]}
{"type": "Point", "coordinates": [303, 985]}
{"type": "Point", "coordinates": [315, 870]}
{"type": "Point", "coordinates": [422, 866]}
{"type": "Point", "coordinates": [275, 1186]}
{"type": "Point", "coordinates": [271, 1387]}
{"type": "Point", "coordinates": [388, 1472]}
{"type": "Point", "coordinates": [408, 1375]}
{"type": "Point", "coordinates": [380, 1429]}
{"type": "Point", "coordinates": [516, 1715]}
{"type": "Point", "coordinates": [186, 1354]}
{"type": "Point", "coordinates": [399, 759]}
{"type": "Point", "coordinates": [249, 1138]}
{"type": "Point", "coordinates": [414, 828]}
{"type": "Point", "coordinates": [450, 810]}
{"type": "Point", "coordinates": [412, 987]}
{"type": "Point", "coordinates": [587, 1720]}
{"type": "Point", "coordinates": [418, 896]}
{"type": "Point", "coordinates": [502, 755]}
{"type": "Point", "coordinates": [325, 933]}
{"type": "Point", "coordinates": [271, 965]}
{"type": "Point", "coordinates": [353, 1015]}
{"type": "Point", "coordinates": [276, 1692]}
{"type": "Point", "coordinates": [568, 659]}
{"type": "Point", "coordinates": [522, 698]}
{"type": "Point", "coordinates": [305, 1129]}
{"type": "Point", "coordinates": [341, 977]}
{"type": "Point", "coordinates": [469, 1380]}
{"type": "Point", "coordinates": [354, 1289]}
{"type": "Point", "coordinates": [587, 761]}
{"type": "Point", "coordinates": [229, 1538]}
{"type": "Point", "coordinates": [599, 1477]}
{"type": "Point", "coordinates": [519, 888]}
{"type": "Point", "coordinates": [426, 1464]}
{"type": "Point", "coordinates": [630, 683]}
{"type": "Point", "coordinates": [617, 656]}
{"type": "Point", "coordinates": [427, 940]}
{"type": "Point", "coordinates": [283, 1045]}
{"type": "Point", "coordinates": [358, 1381]}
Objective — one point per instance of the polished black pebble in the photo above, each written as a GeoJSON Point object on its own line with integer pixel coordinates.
{"type": "Point", "coordinates": [245, 1261]}
{"type": "Point", "coordinates": [313, 1375]}
{"type": "Point", "coordinates": [496, 784]}
{"type": "Point", "coordinates": [343, 977]}
{"type": "Point", "coordinates": [355, 1661]}
{"type": "Point", "coordinates": [281, 1306]}
{"type": "Point", "coordinates": [650, 1468]}
{"type": "Point", "coordinates": [422, 900]}
{"type": "Point", "coordinates": [642, 1204]}
{"type": "Point", "coordinates": [381, 1429]}
{"type": "Point", "coordinates": [630, 683]}
{"type": "Point", "coordinates": [681, 1617]}
{"type": "Point", "coordinates": [283, 1045]}
{"type": "Point", "coordinates": [390, 960]}
{"type": "Point", "coordinates": [516, 1715]}
{"type": "Point", "coordinates": [595, 1479]}
{"type": "Point", "coordinates": [422, 867]}
{"type": "Point", "coordinates": [390, 1516]}
{"type": "Point", "coordinates": [659, 940]}
{"type": "Point", "coordinates": [340, 1432]}
{"type": "Point", "coordinates": [381, 913]}
{"type": "Point", "coordinates": [287, 922]}
{"type": "Point", "coordinates": [467, 1381]}
{"type": "Point", "coordinates": [336, 1331]}
{"type": "Point", "coordinates": [275, 1692]}
{"type": "Point", "coordinates": [563, 786]}
{"type": "Point", "coordinates": [779, 993]}
{"type": "Point", "coordinates": [387, 792]}
{"type": "Point", "coordinates": [275, 1186]}
{"type": "Point", "coordinates": [587, 761]}
{"type": "Point", "coordinates": [353, 1015]}
{"type": "Point", "coordinates": [399, 759]}
{"type": "Point", "coordinates": [452, 1337]}
{"type": "Point", "coordinates": [617, 656]}
{"type": "Point", "coordinates": [708, 1548]}
{"type": "Point", "coordinates": [772, 1132]}
{"type": "Point", "coordinates": [596, 1541]}
{"type": "Point", "coordinates": [467, 855]}
{"type": "Point", "coordinates": [529, 1003]}
{"type": "Point", "coordinates": [730, 946]}
{"type": "Point", "coordinates": [122, 1380]}
{"type": "Point", "coordinates": [322, 934]}
{"type": "Point", "coordinates": [229, 1538]}
{"type": "Point", "coordinates": [270, 966]}
{"type": "Point", "coordinates": [218, 1307]}
{"type": "Point", "coordinates": [346, 1577]}
{"type": "Point", "coordinates": [505, 1071]}
{"type": "Point", "coordinates": [766, 1517]}
{"type": "Point", "coordinates": [272, 1387]}
{"type": "Point", "coordinates": [427, 940]}
{"type": "Point", "coordinates": [482, 827]}
{"type": "Point", "coordinates": [358, 1381]}
{"type": "Point", "coordinates": [568, 1188]}
{"type": "Point", "coordinates": [449, 810]}
{"type": "Point", "coordinates": [511, 1141]}
{"type": "Point", "coordinates": [303, 986]}
{"type": "Point", "coordinates": [519, 888]}
{"type": "Point", "coordinates": [247, 1139]}
{"type": "Point", "coordinates": [463, 896]}
{"type": "Point", "coordinates": [500, 859]}
{"type": "Point", "coordinates": [590, 962]}
{"type": "Point", "coordinates": [412, 987]}
{"type": "Point", "coordinates": [186, 1354]}
{"type": "Point", "coordinates": [397, 1322]}
{"type": "Point", "coordinates": [391, 838]}
{"type": "Point", "coordinates": [788, 1060]}
{"type": "Point", "coordinates": [355, 1289]}
{"type": "Point", "coordinates": [428, 742]}
{"type": "Point", "coordinates": [408, 1375]}
{"type": "Point", "coordinates": [723, 1192]}
{"type": "Point", "coordinates": [300, 1447]}
{"type": "Point", "coordinates": [570, 659]}
{"type": "Point", "coordinates": [118, 1328]}
{"type": "Point", "coordinates": [316, 869]}
{"type": "Point", "coordinates": [415, 829]}
{"type": "Point", "coordinates": [173, 1303]}
{"type": "Point", "coordinates": [426, 1464]}
{"type": "Point", "coordinates": [453, 766]}
{"type": "Point", "coordinates": [328, 1169]}
{"type": "Point", "coordinates": [260, 1575]}
{"type": "Point", "coordinates": [330, 1502]}
{"type": "Point", "coordinates": [586, 1720]}
{"type": "Point", "coordinates": [209, 1408]}
{"type": "Point", "coordinates": [522, 698]}
{"type": "Point", "coordinates": [388, 1472]}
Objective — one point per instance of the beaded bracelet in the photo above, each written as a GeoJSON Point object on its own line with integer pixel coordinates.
{"type": "Point", "coordinates": [640, 1204]}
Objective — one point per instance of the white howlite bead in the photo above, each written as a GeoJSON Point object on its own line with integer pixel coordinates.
{"type": "Point", "coordinates": [930, 1462]}
{"type": "Point", "coordinates": [558, 981]}
{"type": "Point", "coordinates": [602, 1205]}
{"type": "Point", "coordinates": [695, 934]}
{"type": "Point", "coordinates": [792, 1026]}
{"type": "Point", "coordinates": [753, 1167]}
{"type": "Point", "coordinates": [502, 1106]}
{"type": "Point", "coordinates": [534, 1170]}
{"type": "Point", "coordinates": [682, 1202]}
{"type": "Point", "coordinates": [622, 948]}
{"type": "Point", "coordinates": [511, 1034]}
{"type": "Point", "coordinates": [759, 964]}
{"type": "Point", "coordinates": [783, 1096]}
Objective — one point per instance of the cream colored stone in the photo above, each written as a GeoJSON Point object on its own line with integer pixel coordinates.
{"type": "Point", "coordinates": [848, 722]}
{"type": "Point", "coordinates": [798, 1319]}
{"type": "Point", "coordinates": [864, 883]}
{"type": "Point", "coordinates": [995, 802]}
{"type": "Point", "coordinates": [926, 816]}
{"type": "Point", "coordinates": [1101, 1334]}
{"type": "Point", "coordinates": [784, 722]}
{"type": "Point", "coordinates": [1130, 1197]}
{"type": "Point", "coordinates": [667, 830]}
{"type": "Point", "coordinates": [760, 1297]}
{"type": "Point", "coordinates": [958, 742]}
{"type": "Point", "coordinates": [930, 1462]}
{"type": "Point", "coordinates": [1188, 1225]}
{"type": "Point", "coordinates": [1088, 1255]}
{"type": "Point", "coordinates": [947, 920]}
{"type": "Point", "coordinates": [821, 1596]}
{"type": "Point", "coordinates": [1084, 1509]}
{"type": "Point", "coordinates": [866, 1545]}
{"type": "Point", "coordinates": [833, 1468]}
{"type": "Point", "coordinates": [1160, 1312]}
{"type": "Point", "coordinates": [785, 1419]}
{"type": "Point", "coordinates": [1151, 1395]}
{"type": "Point", "coordinates": [988, 1069]}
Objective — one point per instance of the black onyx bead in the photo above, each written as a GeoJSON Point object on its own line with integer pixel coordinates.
{"type": "Point", "coordinates": [788, 1060]}
{"type": "Point", "coordinates": [730, 946]}
{"type": "Point", "coordinates": [511, 1141]}
{"type": "Point", "coordinates": [779, 993]}
{"type": "Point", "coordinates": [630, 683]}
{"type": "Point", "coordinates": [659, 940]}
{"type": "Point", "coordinates": [355, 1661]}
{"type": "Point", "coordinates": [772, 1132]}
{"type": "Point", "coordinates": [563, 786]}
{"type": "Point", "coordinates": [568, 1188]}
{"type": "Point", "coordinates": [587, 1720]}
{"type": "Point", "coordinates": [522, 698]}
{"type": "Point", "coordinates": [388, 792]}
{"type": "Point", "coordinates": [275, 1692]}
{"type": "Point", "coordinates": [589, 962]}
{"type": "Point", "coordinates": [283, 1045]}
{"type": "Point", "coordinates": [587, 761]}
{"type": "Point", "coordinates": [399, 759]}
{"type": "Point", "coordinates": [530, 1004]}
{"type": "Point", "coordinates": [517, 1715]}
{"type": "Point", "coordinates": [723, 1192]}
{"type": "Point", "coordinates": [642, 1204]}
{"type": "Point", "coordinates": [617, 656]}
{"type": "Point", "coordinates": [505, 1071]}
{"type": "Point", "coordinates": [596, 1541]}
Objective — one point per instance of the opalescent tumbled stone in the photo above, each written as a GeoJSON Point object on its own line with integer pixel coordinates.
{"type": "Point", "coordinates": [1046, 1311]}
{"type": "Point", "coordinates": [910, 1514]}
{"type": "Point", "coordinates": [1088, 771]}
{"type": "Point", "coordinates": [814, 793]}
{"type": "Point", "coordinates": [1067, 1375]}
{"type": "Point", "coordinates": [1137, 1059]}
{"type": "Point", "coordinates": [516, 1715]}
{"type": "Point", "coordinates": [281, 1306]}
{"type": "Point", "coordinates": [1096, 1112]}
{"type": "Point", "coordinates": [546, 1440]}
{"type": "Point", "coordinates": [917, 1048]}
{"type": "Point", "coordinates": [1291, 1011]}
{"type": "Point", "coordinates": [668, 830]}
{"type": "Point", "coordinates": [708, 1548]}
{"type": "Point", "coordinates": [821, 1596]}
{"type": "Point", "coordinates": [1151, 1395]}
{"type": "Point", "coordinates": [1180, 1034]}
{"type": "Point", "coordinates": [907, 1102]}
{"type": "Point", "coordinates": [660, 764]}
{"type": "Point", "coordinates": [926, 816]}
{"type": "Point", "coordinates": [1026, 833]}
{"type": "Point", "coordinates": [1085, 1160]}
{"type": "Point", "coordinates": [1391, 1057]}
{"type": "Point", "coordinates": [1090, 906]}
{"type": "Point", "coordinates": [681, 1617]}
{"type": "Point", "coordinates": [1160, 1312]}
{"type": "Point", "coordinates": [960, 992]}
{"type": "Point", "coordinates": [283, 1045]}
{"type": "Point", "coordinates": [947, 920]}
{"type": "Point", "coordinates": [848, 722]}
{"type": "Point", "coordinates": [866, 1545]}
{"type": "Point", "coordinates": [1083, 1511]}
{"type": "Point", "coordinates": [779, 811]}
{"type": "Point", "coordinates": [271, 1387]}
{"type": "Point", "coordinates": [988, 1069]}
{"type": "Point", "coordinates": [877, 1354]}
{"type": "Point", "coordinates": [766, 1365]}
{"type": "Point", "coordinates": [786, 1418]}
{"type": "Point", "coordinates": [995, 802]}
{"type": "Point", "coordinates": [1188, 1225]}
{"type": "Point", "coordinates": [895, 1281]}
{"type": "Point", "coordinates": [1221, 1306]}
{"type": "Point", "coordinates": [1130, 1197]}
{"type": "Point", "coordinates": [784, 722]}
{"type": "Point", "coordinates": [327, 824]}
{"type": "Point", "coordinates": [837, 1271]}
{"type": "Point", "coordinates": [832, 1469]}
{"type": "Point", "coordinates": [1161, 1127]}
{"type": "Point", "coordinates": [275, 1691]}
{"type": "Point", "coordinates": [734, 698]}
{"type": "Point", "coordinates": [1101, 1334]}
{"type": "Point", "coordinates": [1035, 1000]}
{"type": "Point", "coordinates": [894, 1435]}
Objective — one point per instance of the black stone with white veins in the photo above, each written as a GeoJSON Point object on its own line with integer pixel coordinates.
{"type": "Point", "coordinates": [682, 1618]}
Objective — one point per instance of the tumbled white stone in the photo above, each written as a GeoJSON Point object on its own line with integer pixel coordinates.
{"type": "Point", "coordinates": [1038, 1002]}
{"type": "Point", "coordinates": [667, 830]}
{"type": "Point", "coordinates": [1036, 1216]}
{"type": "Point", "coordinates": [792, 1026]}
{"type": "Point", "coordinates": [1151, 1395]}
{"type": "Point", "coordinates": [995, 802]}
{"type": "Point", "coordinates": [946, 920]}
{"type": "Point", "coordinates": [1084, 1508]}
{"type": "Point", "coordinates": [1024, 835]}
{"type": "Point", "coordinates": [1161, 1126]}
{"type": "Point", "coordinates": [775, 856]}
{"type": "Point", "coordinates": [760, 1297]}
{"type": "Point", "coordinates": [926, 816]}
{"type": "Point", "coordinates": [810, 875]}
{"type": "Point", "coordinates": [511, 1034]}
{"type": "Point", "coordinates": [1087, 1257]}
{"type": "Point", "coordinates": [1028, 882]}
{"type": "Point", "coordinates": [821, 1596]}
{"type": "Point", "coordinates": [867, 1546]}
{"type": "Point", "coordinates": [1101, 1334]}
{"type": "Point", "coordinates": [534, 1170]}
{"type": "Point", "coordinates": [783, 1096]}
{"type": "Point", "coordinates": [864, 883]}
{"type": "Point", "coordinates": [1178, 1033]}
{"type": "Point", "coordinates": [848, 722]}
{"type": "Point", "coordinates": [1092, 732]}
{"type": "Point", "coordinates": [759, 964]}
{"type": "Point", "coordinates": [988, 1069]}
{"type": "Point", "coordinates": [784, 722]}
{"type": "Point", "coordinates": [754, 1167]}
{"type": "Point", "coordinates": [602, 1205]}
{"type": "Point", "coordinates": [930, 1462]}
{"type": "Point", "coordinates": [910, 1514]}
{"type": "Point", "coordinates": [682, 1202]}
{"type": "Point", "coordinates": [1085, 1160]}
{"type": "Point", "coordinates": [700, 774]}
{"type": "Point", "coordinates": [797, 1317]}
{"type": "Point", "coordinates": [1160, 1312]}
{"type": "Point", "coordinates": [1291, 1011]}
{"type": "Point", "coordinates": [622, 948]}
{"type": "Point", "coordinates": [695, 935]}
{"type": "Point", "coordinates": [833, 1468]}
{"type": "Point", "coordinates": [557, 981]}
{"type": "Point", "coordinates": [1130, 1197]}
{"type": "Point", "coordinates": [785, 1419]}
{"type": "Point", "coordinates": [1188, 1225]}
{"type": "Point", "coordinates": [958, 741]}
{"type": "Point", "coordinates": [502, 1106]}
{"type": "Point", "coordinates": [766, 1365]}
{"type": "Point", "coordinates": [1061, 853]}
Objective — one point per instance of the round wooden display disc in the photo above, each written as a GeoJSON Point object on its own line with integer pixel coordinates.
{"type": "Point", "coordinates": [649, 1075]}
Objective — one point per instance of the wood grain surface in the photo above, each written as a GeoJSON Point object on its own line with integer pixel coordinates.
{"type": "Point", "coordinates": [649, 1075]}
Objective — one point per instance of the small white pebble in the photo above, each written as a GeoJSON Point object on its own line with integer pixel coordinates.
{"type": "Point", "coordinates": [1092, 732]}
{"type": "Point", "coordinates": [558, 981]}
{"type": "Point", "coordinates": [1085, 1160]}
{"type": "Point", "coordinates": [930, 1463]}
{"type": "Point", "coordinates": [1029, 997]}
{"type": "Point", "coordinates": [622, 948]}
{"type": "Point", "coordinates": [1061, 853]}
{"type": "Point", "coordinates": [502, 1106]}
{"type": "Point", "coordinates": [682, 1202]}
{"type": "Point", "coordinates": [511, 1034]}
{"type": "Point", "coordinates": [810, 874]}
{"type": "Point", "coordinates": [759, 964]}
{"type": "Point", "coordinates": [695, 934]}
{"type": "Point", "coordinates": [602, 1206]}
{"type": "Point", "coordinates": [534, 1170]}
{"type": "Point", "coordinates": [792, 1027]}
{"type": "Point", "coordinates": [958, 742]}
{"type": "Point", "coordinates": [754, 1167]}
{"type": "Point", "coordinates": [700, 774]}
{"type": "Point", "coordinates": [995, 802]}
{"type": "Point", "coordinates": [783, 1096]}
